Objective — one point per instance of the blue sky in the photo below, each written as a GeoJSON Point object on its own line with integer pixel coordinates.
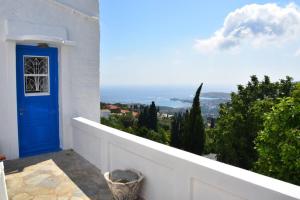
{"type": "Point", "coordinates": [185, 42]}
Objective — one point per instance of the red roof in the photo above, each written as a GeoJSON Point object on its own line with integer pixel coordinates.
{"type": "Point", "coordinates": [112, 107]}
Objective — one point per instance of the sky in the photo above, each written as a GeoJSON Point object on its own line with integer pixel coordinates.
{"type": "Point", "coordinates": [186, 42]}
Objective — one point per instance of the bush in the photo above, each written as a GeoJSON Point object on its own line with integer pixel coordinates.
{"type": "Point", "coordinates": [278, 144]}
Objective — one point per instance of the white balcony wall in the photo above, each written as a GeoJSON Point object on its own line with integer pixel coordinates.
{"type": "Point", "coordinates": [3, 192]}
{"type": "Point", "coordinates": [171, 173]}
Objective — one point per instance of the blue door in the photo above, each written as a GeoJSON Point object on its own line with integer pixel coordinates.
{"type": "Point", "coordinates": [37, 93]}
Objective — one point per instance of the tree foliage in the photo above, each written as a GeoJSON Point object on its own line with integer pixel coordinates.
{"type": "Point", "coordinates": [177, 128]}
{"type": "Point", "coordinates": [278, 144]}
{"type": "Point", "coordinates": [148, 117]}
{"type": "Point", "coordinates": [122, 122]}
{"type": "Point", "coordinates": [187, 130]}
{"type": "Point", "coordinates": [241, 119]}
{"type": "Point", "coordinates": [160, 135]}
{"type": "Point", "coordinates": [152, 120]}
{"type": "Point", "coordinates": [143, 117]}
{"type": "Point", "coordinates": [194, 131]}
{"type": "Point", "coordinates": [146, 125]}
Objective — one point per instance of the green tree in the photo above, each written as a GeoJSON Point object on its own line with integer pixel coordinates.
{"type": "Point", "coordinates": [143, 117]}
{"type": "Point", "coordinates": [278, 144]}
{"type": "Point", "coordinates": [177, 130]}
{"type": "Point", "coordinates": [210, 141]}
{"type": "Point", "coordinates": [113, 121]}
{"type": "Point", "coordinates": [194, 132]}
{"type": "Point", "coordinates": [143, 127]}
{"type": "Point", "coordinates": [241, 119]}
{"type": "Point", "coordinates": [296, 91]}
{"type": "Point", "coordinates": [127, 120]}
{"type": "Point", "coordinates": [152, 117]}
{"type": "Point", "coordinates": [148, 117]}
{"type": "Point", "coordinates": [160, 136]}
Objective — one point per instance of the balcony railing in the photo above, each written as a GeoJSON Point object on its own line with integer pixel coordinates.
{"type": "Point", "coordinates": [172, 173]}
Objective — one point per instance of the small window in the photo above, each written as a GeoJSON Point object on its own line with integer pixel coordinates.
{"type": "Point", "coordinates": [36, 75]}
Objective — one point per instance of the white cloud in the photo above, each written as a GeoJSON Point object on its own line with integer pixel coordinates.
{"type": "Point", "coordinates": [256, 24]}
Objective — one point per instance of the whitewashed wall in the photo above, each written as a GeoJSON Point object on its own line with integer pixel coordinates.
{"type": "Point", "coordinates": [171, 173]}
{"type": "Point", "coordinates": [73, 27]}
{"type": "Point", "coordinates": [3, 190]}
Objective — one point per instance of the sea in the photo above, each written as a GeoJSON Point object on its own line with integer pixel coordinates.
{"type": "Point", "coordinates": [161, 95]}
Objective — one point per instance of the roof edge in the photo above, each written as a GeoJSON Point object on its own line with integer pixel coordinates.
{"type": "Point", "coordinates": [74, 10]}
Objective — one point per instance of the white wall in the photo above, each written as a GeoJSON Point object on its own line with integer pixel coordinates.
{"type": "Point", "coordinates": [3, 190]}
{"type": "Point", "coordinates": [87, 6]}
{"type": "Point", "coordinates": [171, 173]}
{"type": "Point", "coordinates": [73, 27]}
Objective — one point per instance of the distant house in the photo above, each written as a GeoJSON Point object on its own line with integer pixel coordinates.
{"type": "Point", "coordinates": [125, 111]}
{"type": "Point", "coordinates": [105, 113]}
{"type": "Point", "coordinates": [113, 108]}
{"type": "Point", "coordinates": [164, 115]}
{"type": "Point", "coordinates": [134, 114]}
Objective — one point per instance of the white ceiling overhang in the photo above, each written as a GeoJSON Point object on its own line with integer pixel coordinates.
{"type": "Point", "coordinates": [28, 32]}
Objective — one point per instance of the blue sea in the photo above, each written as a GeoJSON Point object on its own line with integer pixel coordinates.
{"type": "Point", "coordinates": [146, 94]}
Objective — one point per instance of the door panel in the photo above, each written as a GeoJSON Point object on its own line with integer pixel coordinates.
{"type": "Point", "coordinates": [37, 93]}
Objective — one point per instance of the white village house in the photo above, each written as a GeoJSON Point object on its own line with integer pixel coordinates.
{"type": "Point", "coordinates": [105, 113]}
{"type": "Point", "coordinates": [50, 101]}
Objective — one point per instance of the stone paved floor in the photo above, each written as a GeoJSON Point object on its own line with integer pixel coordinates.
{"type": "Point", "coordinates": [61, 176]}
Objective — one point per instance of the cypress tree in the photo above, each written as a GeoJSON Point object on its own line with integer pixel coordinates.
{"type": "Point", "coordinates": [143, 117]}
{"type": "Point", "coordinates": [194, 127]}
{"type": "Point", "coordinates": [148, 117]}
{"type": "Point", "coordinates": [186, 134]}
{"type": "Point", "coordinates": [152, 117]}
{"type": "Point", "coordinates": [176, 131]}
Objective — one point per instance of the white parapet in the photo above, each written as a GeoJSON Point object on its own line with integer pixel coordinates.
{"type": "Point", "coordinates": [3, 192]}
{"type": "Point", "coordinates": [172, 173]}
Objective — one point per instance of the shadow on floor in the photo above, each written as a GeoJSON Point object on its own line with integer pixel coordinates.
{"type": "Point", "coordinates": [85, 175]}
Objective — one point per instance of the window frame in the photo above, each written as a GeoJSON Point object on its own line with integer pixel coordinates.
{"type": "Point", "coordinates": [26, 94]}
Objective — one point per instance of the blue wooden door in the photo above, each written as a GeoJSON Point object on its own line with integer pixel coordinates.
{"type": "Point", "coordinates": [37, 96]}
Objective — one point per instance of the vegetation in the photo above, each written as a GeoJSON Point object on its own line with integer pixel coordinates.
{"type": "Point", "coordinates": [122, 122]}
{"type": "Point", "coordinates": [187, 131]}
{"type": "Point", "coordinates": [259, 129]}
{"type": "Point", "coordinates": [194, 136]}
{"type": "Point", "coordinates": [146, 125]}
{"type": "Point", "coordinates": [278, 144]}
{"type": "Point", "coordinates": [177, 129]}
{"type": "Point", "coordinates": [148, 117]}
{"type": "Point", "coordinates": [242, 118]}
